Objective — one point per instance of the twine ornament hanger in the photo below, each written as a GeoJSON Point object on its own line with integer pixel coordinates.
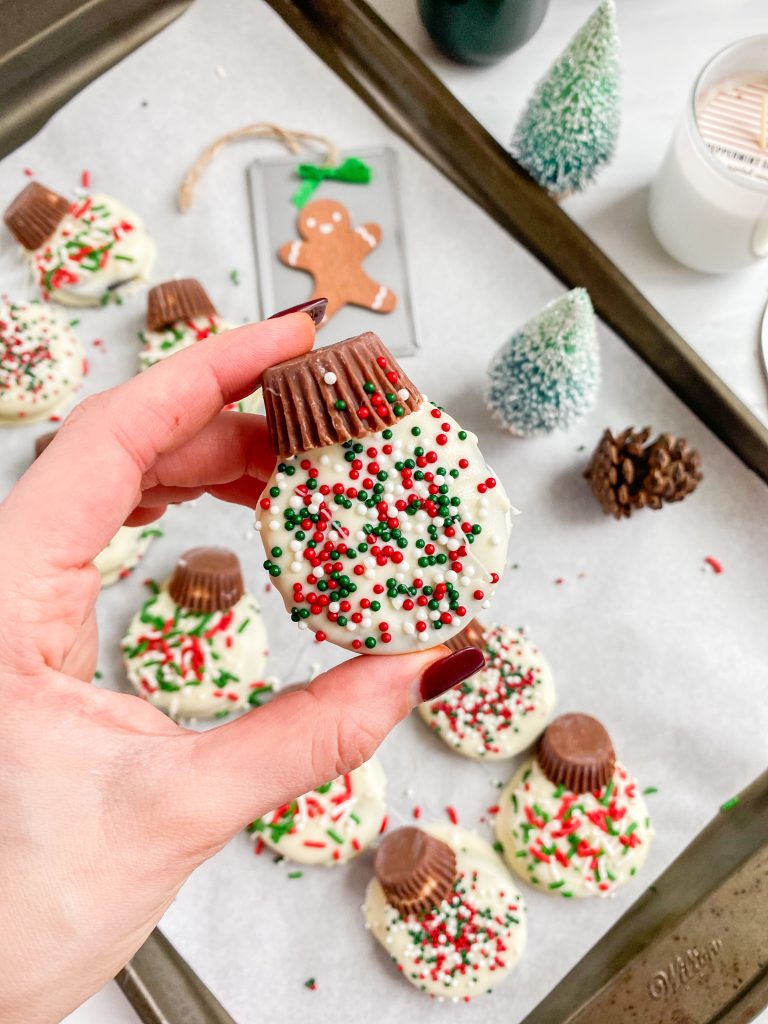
{"type": "Point", "coordinates": [311, 175]}
{"type": "Point", "coordinates": [294, 142]}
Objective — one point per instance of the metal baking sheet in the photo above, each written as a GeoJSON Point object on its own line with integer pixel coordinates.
{"type": "Point", "coordinates": [638, 630]}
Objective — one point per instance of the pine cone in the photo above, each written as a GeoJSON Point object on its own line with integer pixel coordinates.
{"type": "Point", "coordinates": [626, 473]}
{"type": "Point", "coordinates": [673, 468]}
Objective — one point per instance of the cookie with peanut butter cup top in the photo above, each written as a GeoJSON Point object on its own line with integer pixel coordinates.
{"type": "Point", "coordinates": [197, 646]}
{"type": "Point", "coordinates": [88, 252]}
{"type": "Point", "coordinates": [446, 910]}
{"type": "Point", "coordinates": [384, 528]}
{"type": "Point", "coordinates": [572, 821]}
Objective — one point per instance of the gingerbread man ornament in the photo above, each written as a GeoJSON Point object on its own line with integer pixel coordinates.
{"type": "Point", "coordinates": [332, 251]}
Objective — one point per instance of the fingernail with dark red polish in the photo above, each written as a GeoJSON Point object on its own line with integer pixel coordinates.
{"type": "Point", "coordinates": [315, 310]}
{"type": "Point", "coordinates": [449, 672]}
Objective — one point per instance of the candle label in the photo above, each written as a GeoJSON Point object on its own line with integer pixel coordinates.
{"type": "Point", "coordinates": [733, 121]}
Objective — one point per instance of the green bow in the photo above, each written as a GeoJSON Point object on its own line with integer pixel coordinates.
{"type": "Point", "coordinates": [351, 170]}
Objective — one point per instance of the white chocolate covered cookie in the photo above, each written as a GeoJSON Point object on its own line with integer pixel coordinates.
{"type": "Point", "coordinates": [573, 844]}
{"type": "Point", "coordinates": [197, 649]}
{"type": "Point", "coordinates": [41, 362]}
{"type": "Point", "coordinates": [98, 253]}
{"type": "Point", "coordinates": [389, 543]}
{"type": "Point", "coordinates": [468, 943]}
{"type": "Point", "coordinates": [124, 552]}
{"type": "Point", "coordinates": [332, 823]}
{"type": "Point", "coordinates": [501, 709]}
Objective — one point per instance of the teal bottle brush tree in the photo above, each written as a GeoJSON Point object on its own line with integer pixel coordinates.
{"type": "Point", "coordinates": [569, 129]}
{"type": "Point", "coordinates": [547, 375]}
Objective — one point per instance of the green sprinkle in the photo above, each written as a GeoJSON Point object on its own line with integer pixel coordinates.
{"type": "Point", "coordinates": [205, 619]}
{"type": "Point", "coordinates": [295, 874]}
{"type": "Point", "coordinates": [556, 885]}
{"type": "Point", "coordinates": [97, 674]}
{"type": "Point", "coordinates": [649, 789]}
{"type": "Point", "coordinates": [730, 804]}
{"type": "Point", "coordinates": [310, 983]}
{"type": "Point", "coordinates": [334, 836]}
{"type": "Point", "coordinates": [234, 276]}
{"type": "Point", "coordinates": [254, 697]}
{"type": "Point", "coordinates": [340, 404]}
{"type": "Point", "coordinates": [498, 847]}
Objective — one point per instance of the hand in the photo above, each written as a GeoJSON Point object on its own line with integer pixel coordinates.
{"type": "Point", "coordinates": [106, 804]}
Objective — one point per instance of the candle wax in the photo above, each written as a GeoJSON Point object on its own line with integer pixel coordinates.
{"type": "Point", "coordinates": [733, 121]}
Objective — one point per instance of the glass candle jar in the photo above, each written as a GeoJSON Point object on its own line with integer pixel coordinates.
{"type": "Point", "coordinates": [709, 201]}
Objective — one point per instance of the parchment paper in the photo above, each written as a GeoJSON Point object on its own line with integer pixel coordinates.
{"type": "Point", "coordinates": [671, 657]}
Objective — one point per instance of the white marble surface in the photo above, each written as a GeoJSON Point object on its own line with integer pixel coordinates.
{"type": "Point", "coordinates": [664, 44]}
{"type": "Point", "coordinates": [232, 919]}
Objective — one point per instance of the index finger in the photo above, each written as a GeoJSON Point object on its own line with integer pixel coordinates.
{"type": "Point", "coordinates": [82, 488]}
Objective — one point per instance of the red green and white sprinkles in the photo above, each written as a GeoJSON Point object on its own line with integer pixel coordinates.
{"type": "Point", "coordinates": [467, 945]}
{"type": "Point", "coordinates": [42, 362]}
{"type": "Point", "coordinates": [500, 710]}
{"type": "Point", "coordinates": [193, 664]}
{"type": "Point", "coordinates": [573, 844]}
{"type": "Point", "coordinates": [98, 253]}
{"type": "Point", "coordinates": [330, 824]}
{"type": "Point", "coordinates": [388, 543]}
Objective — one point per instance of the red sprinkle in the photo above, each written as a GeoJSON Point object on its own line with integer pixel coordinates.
{"type": "Point", "coordinates": [452, 815]}
{"type": "Point", "coordinates": [714, 564]}
{"type": "Point", "coordinates": [85, 179]}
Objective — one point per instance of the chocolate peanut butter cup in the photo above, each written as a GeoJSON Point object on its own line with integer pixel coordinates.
{"type": "Point", "coordinates": [177, 300]}
{"type": "Point", "coordinates": [473, 635]}
{"type": "Point", "coordinates": [415, 870]}
{"type": "Point", "coordinates": [207, 580]}
{"type": "Point", "coordinates": [576, 752]}
{"type": "Point", "coordinates": [34, 215]}
{"type": "Point", "coordinates": [335, 394]}
{"type": "Point", "coordinates": [42, 442]}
